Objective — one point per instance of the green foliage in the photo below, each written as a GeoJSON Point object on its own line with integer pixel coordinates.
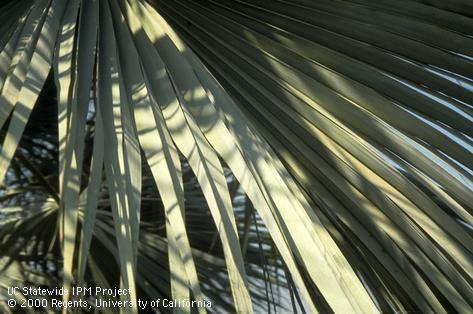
{"type": "Point", "coordinates": [267, 155]}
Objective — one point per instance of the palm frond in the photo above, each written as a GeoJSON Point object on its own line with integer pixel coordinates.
{"type": "Point", "coordinates": [346, 126]}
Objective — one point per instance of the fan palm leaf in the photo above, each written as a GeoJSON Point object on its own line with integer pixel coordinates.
{"type": "Point", "coordinates": [347, 125]}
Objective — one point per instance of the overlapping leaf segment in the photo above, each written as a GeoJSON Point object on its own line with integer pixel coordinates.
{"type": "Point", "coordinates": [153, 99]}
